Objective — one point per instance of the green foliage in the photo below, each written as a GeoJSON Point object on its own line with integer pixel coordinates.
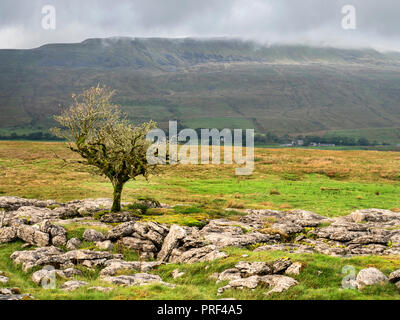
{"type": "Point", "coordinates": [187, 210]}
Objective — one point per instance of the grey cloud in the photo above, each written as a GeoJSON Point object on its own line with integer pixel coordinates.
{"type": "Point", "coordinates": [270, 21]}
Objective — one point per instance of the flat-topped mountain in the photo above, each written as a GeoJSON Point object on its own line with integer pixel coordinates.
{"type": "Point", "coordinates": [206, 83]}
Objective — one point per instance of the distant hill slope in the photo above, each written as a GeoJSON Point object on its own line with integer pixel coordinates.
{"type": "Point", "coordinates": [207, 83]}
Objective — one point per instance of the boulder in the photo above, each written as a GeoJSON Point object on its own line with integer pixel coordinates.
{"type": "Point", "coordinates": [137, 244]}
{"type": "Point", "coordinates": [370, 276]}
{"type": "Point", "coordinates": [228, 274]}
{"type": "Point", "coordinates": [59, 259]}
{"type": "Point", "coordinates": [8, 234]}
{"type": "Point", "coordinates": [93, 235]}
{"type": "Point", "coordinates": [112, 267]}
{"type": "Point", "coordinates": [73, 285]}
{"type": "Point", "coordinates": [206, 253]}
{"type": "Point", "coordinates": [57, 234]}
{"type": "Point", "coordinates": [35, 214]}
{"type": "Point", "coordinates": [280, 266]}
{"type": "Point", "coordinates": [89, 206]}
{"type": "Point", "coordinates": [105, 245]}
{"type": "Point", "coordinates": [122, 230]}
{"type": "Point", "coordinates": [278, 283]}
{"type": "Point", "coordinates": [223, 233]}
{"type": "Point", "coordinates": [29, 258]}
{"type": "Point", "coordinates": [138, 279]}
{"type": "Point", "coordinates": [118, 217]}
{"type": "Point", "coordinates": [73, 244]}
{"type": "Point", "coordinates": [33, 235]}
{"type": "Point", "coordinates": [43, 275]}
{"type": "Point", "coordinates": [294, 269]}
{"type": "Point", "coordinates": [241, 283]}
{"type": "Point", "coordinates": [171, 241]}
{"type": "Point", "coordinates": [394, 277]}
{"type": "Point", "coordinates": [247, 269]}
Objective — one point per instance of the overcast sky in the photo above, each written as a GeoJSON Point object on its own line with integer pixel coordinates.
{"type": "Point", "coordinates": [315, 22]}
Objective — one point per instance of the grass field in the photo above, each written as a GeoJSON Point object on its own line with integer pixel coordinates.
{"type": "Point", "coordinates": [328, 182]}
{"type": "Point", "coordinates": [331, 183]}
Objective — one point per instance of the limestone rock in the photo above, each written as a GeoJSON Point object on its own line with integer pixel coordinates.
{"type": "Point", "coordinates": [394, 277]}
{"type": "Point", "coordinates": [370, 276]}
{"type": "Point", "coordinates": [171, 241]}
{"type": "Point", "coordinates": [43, 275]}
{"type": "Point", "coordinates": [73, 285]}
{"type": "Point", "coordinates": [138, 244]}
{"type": "Point", "coordinates": [138, 279]}
{"type": "Point", "coordinates": [73, 244]}
{"type": "Point", "coordinates": [35, 214]}
{"type": "Point", "coordinates": [57, 234]}
{"type": "Point", "coordinates": [228, 274]}
{"type": "Point", "coordinates": [8, 234]}
{"type": "Point", "coordinates": [294, 269]}
{"type": "Point", "coordinates": [247, 269]}
{"type": "Point", "coordinates": [118, 217]}
{"type": "Point", "coordinates": [33, 235]}
{"type": "Point", "coordinates": [115, 265]}
{"type": "Point", "coordinates": [29, 259]}
{"type": "Point", "coordinates": [206, 253]}
{"type": "Point", "coordinates": [223, 233]}
{"type": "Point", "coordinates": [122, 230]}
{"type": "Point", "coordinates": [288, 247]}
{"type": "Point", "coordinates": [241, 283]}
{"type": "Point", "coordinates": [278, 283]}
{"type": "Point", "coordinates": [88, 206]}
{"type": "Point", "coordinates": [105, 245]}
{"type": "Point", "coordinates": [93, 235]}
{"type": "Point", "coordinates": [280, 266]}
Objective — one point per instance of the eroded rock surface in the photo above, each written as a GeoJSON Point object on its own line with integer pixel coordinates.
{"type": "Point", "coordinates": [138, 279]}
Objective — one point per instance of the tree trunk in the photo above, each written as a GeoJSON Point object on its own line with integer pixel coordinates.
{"type": "Point", "coordinates": [116, 206]}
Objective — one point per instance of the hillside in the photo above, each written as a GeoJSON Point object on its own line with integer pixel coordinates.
{"type": "Point", "coordinates": [206, 83]}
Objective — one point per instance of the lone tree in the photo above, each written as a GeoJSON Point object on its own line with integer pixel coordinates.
{"type": "Point", "coordinates": [101, 134]}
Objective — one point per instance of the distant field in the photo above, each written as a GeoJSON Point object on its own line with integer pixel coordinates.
{"type": "Point", "coordinates": [328, 182]}
{"type": "Point", "coordinates": [219, 123]}
{"type": "Point", "coordinates": [387, 135]}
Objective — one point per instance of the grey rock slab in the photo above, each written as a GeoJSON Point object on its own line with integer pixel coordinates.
{"type": "Point", "coordinates": [73, 285]}
{"type": "Point", "coordinates": [73, 244]}
{"type": "Point", "coordinates": [8, 234]}
{"type": "Point", "coordinates": [171, 241]}
{"type": "Point", "coordinates": [138, 279]}
{"type": "Point", "coordinates": [93, 235]}
{"type": "Point", "coordinates": [114, 266]}
{"type": "Point", "coordinates": [279, 283]}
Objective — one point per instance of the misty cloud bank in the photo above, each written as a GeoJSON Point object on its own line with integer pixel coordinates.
{"type": "Point", "coordinates": [315, 22]}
